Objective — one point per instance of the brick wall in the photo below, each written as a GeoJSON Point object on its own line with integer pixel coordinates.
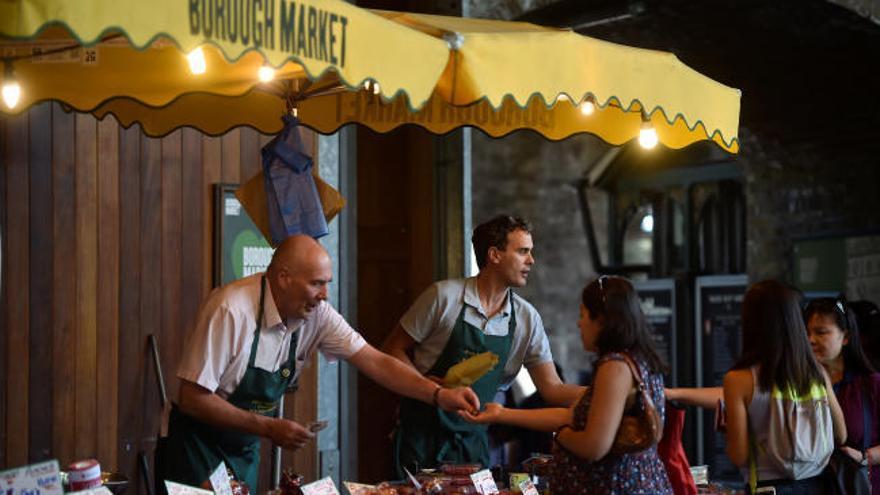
{"type": "Point", "coordinates": [524, 174]}
{"type": "Point", "coordinates": [805, 190]}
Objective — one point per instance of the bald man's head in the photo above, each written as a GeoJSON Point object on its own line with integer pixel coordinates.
{"type": "Point", "coordinates": [298, 274]}
{"type": "Point", "coordinates": [297, 252]}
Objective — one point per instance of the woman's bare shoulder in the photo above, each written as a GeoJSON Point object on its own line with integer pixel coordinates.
{"type": "Point", "coordinates": [738, 379]}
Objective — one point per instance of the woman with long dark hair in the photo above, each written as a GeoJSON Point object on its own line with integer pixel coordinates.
{"type": "Point", "coordinates": [782, 417]}
{"type": "Point", "coordinates": [612, 325]}
{"type": "Point", "coordinates": [834, 337]}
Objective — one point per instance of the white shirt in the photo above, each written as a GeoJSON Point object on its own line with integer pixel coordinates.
{"type": "Point", "coordinates": [429, 321]}
{"type": "Point", "coordinates": [217, 350]}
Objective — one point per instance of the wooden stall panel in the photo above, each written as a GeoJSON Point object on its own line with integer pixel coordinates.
{"type": "Point", "coordinates": [212, 166]}
{"type": "Point", "coordinates": [250, 154]}
{"type": "Point", "coordinates": [16, 275]}
{"type": "Point", "coordinates": [112, 238]}
{"type": "Point", "coordinates": [132, 357]}
{"type": "Point", "coordinates": [40, 301]}
{"type": "Point", "coordinates": [108, 292]}
{"type": "Point", "coordinates": [151, 285]}
{"type": "Point", "coordinates": [191, 232]}
{"type": "Point", "coordinates": [63, 285]}
{"type": "Point", "coordinates": [86, 287]}
{"type": "Point", "coordinates": [231, 156]}
{"type": "Point", "coordinates": [171, 239]}
{"type": "Point", "coordinates": [3, 305]}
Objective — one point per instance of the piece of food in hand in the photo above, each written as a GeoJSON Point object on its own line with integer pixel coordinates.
{"type": "Point", "coordinates": [467, 372]}
{"type": "Point", "coordinates": [316, 426]}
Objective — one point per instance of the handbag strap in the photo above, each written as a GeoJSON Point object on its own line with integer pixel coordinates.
{"type": "Point", "coordinates": [634, 368]}
{"type": "Point", "coordinates": [647, 401]}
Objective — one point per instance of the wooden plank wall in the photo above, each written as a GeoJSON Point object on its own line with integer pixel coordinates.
{"type": "Point", "coordinates": [395, 264]}
{"type": "Point", "coordinates": [107, 238]}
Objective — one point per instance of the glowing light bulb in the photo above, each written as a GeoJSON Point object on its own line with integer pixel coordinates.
{"type": "Point", "coordinates": [11, 93]}
{"type": "Point", "coordinates": [266, 73]}
{"type": "Point", "coordinates": [376, 89]}
{"type": "Point", "coordinates": [648, 136]}
{"type": "Point", "coordinates": [197, 64]}
{"type": "Point", "coordinates": [648, 223]}
{"type": "Point", "coordinates": [587, 107]}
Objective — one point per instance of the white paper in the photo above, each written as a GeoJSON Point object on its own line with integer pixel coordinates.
{"type": "Point", "coordinates": [233, 207]}
{"type": "Point", "coordinates": [528, 488]}
{"type": "Point", "coordinates": [484, 483]}
{"type": "Point", "coordinates": [220, 480]}
{"type": "Point", "coordinates": [323, 486]}
{"type": "Point", "coordinates": [179, 489]}
{"type": "Point", "coordinates": [36, 479]}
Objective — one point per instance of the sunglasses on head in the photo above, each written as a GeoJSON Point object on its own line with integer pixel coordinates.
{"type": "Point", "coordinates": [601, 280]}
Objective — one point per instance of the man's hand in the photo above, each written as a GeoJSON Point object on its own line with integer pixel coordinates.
{"type": "Point", "coordinates": [289, 434]}
{"type": "Point", "coordinates": [855, 454]}
{"type": "Point", "coordinates": [457, 399]}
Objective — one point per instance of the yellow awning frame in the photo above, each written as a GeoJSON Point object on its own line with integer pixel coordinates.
{"type": "Point", "coordinates": [475, 66]}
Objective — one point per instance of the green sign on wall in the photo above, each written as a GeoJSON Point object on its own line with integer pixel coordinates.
{"type": "Point", "coordinates": [240, 249]}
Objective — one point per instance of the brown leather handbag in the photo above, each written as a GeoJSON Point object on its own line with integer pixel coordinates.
{"type": "Point", "coordinates": [644, 429]}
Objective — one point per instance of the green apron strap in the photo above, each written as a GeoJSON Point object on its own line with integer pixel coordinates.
{"type": "Point", "coordinates": [194, 448]}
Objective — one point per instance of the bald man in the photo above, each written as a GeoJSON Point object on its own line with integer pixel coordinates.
{"type": "Point", "coordinates": [253, 337]}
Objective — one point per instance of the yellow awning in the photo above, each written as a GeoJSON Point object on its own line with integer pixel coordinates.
{"type": "Point", "coordinates": [437, 72]}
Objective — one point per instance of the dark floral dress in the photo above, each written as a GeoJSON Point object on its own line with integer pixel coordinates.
{"type": "Point", "coordinates": [619, 474]}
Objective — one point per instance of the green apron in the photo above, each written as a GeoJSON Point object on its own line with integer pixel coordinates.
{"type": "Point", "coordinates": [194, 449]}
{"type": "Point", "coordinates": [427, 436]}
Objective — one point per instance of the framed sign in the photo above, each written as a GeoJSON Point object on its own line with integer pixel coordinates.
{"type": "Point", "coordinates": [829, 265]}
{"type": "Point", "coordinates": [658, 303]}
{"type": "Point", "coordinates": [718, 344]}
{"type": "Point", "coordinates": [240, 249]}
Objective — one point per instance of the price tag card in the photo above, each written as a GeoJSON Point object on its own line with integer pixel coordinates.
{"type": "Point", "coordinates": [323, 486]}
{"type": "Point", "coordinates": [179, 489]}
{"type": "Point", "coordinates": [355, 488]}
{"type": "Point", "coordinates": [527, 487]}
{"type": "Point", "coordinates": [484, 483]}
{"type": "Point", "coordinates": [36, 479]}
{"type": "Point", "coordinates": [220, 480]}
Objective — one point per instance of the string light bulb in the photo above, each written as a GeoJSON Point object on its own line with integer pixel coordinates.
{"type": "Point", "coordinates": [647, 134]}
{"type": "Point", "coordinates": [266, 73]}
{"type": "Point", "coordinates": [371, 86]}
{"type": "Point", "coordinates": [11, 88]}
{"type": "Point", "coordinates": [587, 107]}
{"type": "Point", "coordinates": [197, 63]}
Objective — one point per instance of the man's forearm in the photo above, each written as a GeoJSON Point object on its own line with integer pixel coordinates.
{"type": "Point", "coordinates": [400, 378]}
{"type": "Point", "coordinates": [216, 411]}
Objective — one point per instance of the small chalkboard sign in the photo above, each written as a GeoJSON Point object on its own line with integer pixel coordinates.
{"type": "Point", "coordinates": [658, 304]}
{"type": "Point", "coordinates": [718, 344]}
